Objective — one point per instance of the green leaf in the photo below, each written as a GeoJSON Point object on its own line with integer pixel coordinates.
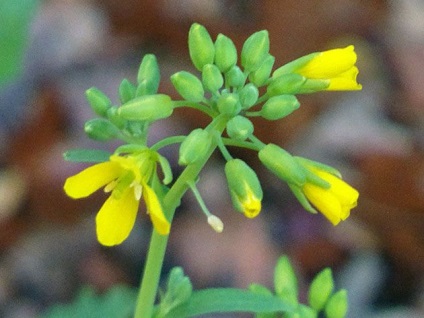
{"type": "Point", "coordinates": [86, 155]}
{"type": "Point", "coordinates": [219, 300]}
{"type": "Point", "coordinates": [15, 17]}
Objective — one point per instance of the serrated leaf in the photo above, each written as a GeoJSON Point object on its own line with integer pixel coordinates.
{"type": "Point", "coordinates": [219, 300]}
{"type": "Point", "coordinates": [86, 155]}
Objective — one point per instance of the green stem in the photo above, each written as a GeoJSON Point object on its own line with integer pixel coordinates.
{"type": "Point", "coordinates": [155, 256]}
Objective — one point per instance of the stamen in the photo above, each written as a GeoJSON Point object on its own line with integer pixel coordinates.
{"type": "Point", "coordinates": [216, 223]}
{"type": "Point", "coordinates": [138, 191]}
{"type": "Point", "coordinates": [110, 186]}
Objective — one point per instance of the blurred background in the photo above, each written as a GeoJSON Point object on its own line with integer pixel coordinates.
{"type": "Point", "coordinates": [48, 248]}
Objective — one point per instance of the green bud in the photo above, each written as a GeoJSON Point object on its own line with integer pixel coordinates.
{"type": "Point", "coordinates": [245, 189]}
{"type": "Point", "coordinates": [285, 281]}
{"type": "Point", "coordinates": [200, 45]}
{"type": "Point", "coordinates": [261, 75]}
{"type": "Point", "coordinates": [228, 104]}
{"type": "Point", "coordinates": [147, 108]}
{"type": "Point", "coordinates": [321, 289]}
{"type": "Point", "coordinates": [212, 78]}
{"type": "Point", "coordinates": [100, 129]}
{"type": "Point", "coordinates": [337, 305]}
{"type": "Point", "coordinates": [285, 84]}
{"type": "Point", "coordinates": [292, 66]}
{"type": "Point", "coordinates": [126, 91]}
{"type": "Point", "coordinates": [149, 74]}
{"type": "Point", "coordinates": [239, 128]}
{"type": "Point", "coordinates": [255, 50]}
{"type": "Point", "coordinates": [99, 102]}
{"type": "Point", "coordinates": [225, 53]}
{"type": "Point", "coordinates": [280, 106]}
{"type": "Point", "coordinates": [194, 146]}
{"type": "Point", "coordinates": [234, 77]}
{"type": "Point", "coordinates": [282, 164]}
{"type": "Point", "coordinates": [306, 312]}
{"type": "Point", "coordinates": [188, 86]}
{"type": "Point", "coordinates": [248, 96]}
{"type": "Point", "coordinates": [114, 118]}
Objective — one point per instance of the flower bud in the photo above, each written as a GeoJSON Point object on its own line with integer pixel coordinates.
{"type": "Point", "coordinates": [100, 129]}
{"type": "Point", "coordinates": [225, 53]}
{"type": "Point", "coordinates": [285, 281]}
{"type": "Point", "coordinates": [99, 102]}
{"type": "Point", "coordinates": [216, 223]}
{"type": "Point", "coordinates": [239, 128]}
{"type": "Point", "coordinates": [282, 164]}
{"type": "Point", "coordinates": [321, 289]}
{"type": "Point", "coordinates": [245, 189]}
{"type": "Point", "coordinates": [149, 74]}
{"type": "Point", "coordinates": [248, 96]}
{"type": "Point", "coordinates": [337, 305]}
{"type": "Point", "coordinates": [126, 91]}
{"type": "Point", "coordinates": [255, 50]}
{"type": "Point", "coordinates": [188, 86]}
{"type": "Point", "coordinates": [234, 77]}
{"type": "Point", "coordinates": [200, 45]}
{"type": "Point", "coordinates": [261, 75]}
{"type": "Point", "coordinates": [285, 84]}
{"type": "Point", "coordinates": [280, 106]}
{"type": "Point", "coordinates": [147, 108]}
{"type": "Point", "coordinates": [292, 66]}
{"type": "Point", "coordinates": [212, 78]}
{"type": "Point", "coordinates": [194, 146]}
{"type": "Point", "coordinates": [114, 118]}
{"type": "Point", "coordinates": [229, 104]}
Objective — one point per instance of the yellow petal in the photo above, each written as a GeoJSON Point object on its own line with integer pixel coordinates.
{"type": "Point", "coordinates": [91, 179]}
{"type": "Point", "coordinates": [345, 81]}
{"type": "Point", "coordinates": [116, 218]}
{"type": "Point", "coordinates": [324, 201]}
{"type": "Point", "coordinates": [154, 208]}
{"type": "Point", "coordinates": [329, 63]}
{"type": "Point", "coordinates": [251, 206]}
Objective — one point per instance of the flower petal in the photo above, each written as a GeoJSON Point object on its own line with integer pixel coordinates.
{"type": "Point", "coordinates": [329, 63]}
{"type": "Point", "coordinates": [345, 81]}
{"type": "Point", "coordinates": [324, 201]}
{"type": "Point", "coordinates": [154, 208]}
{"type": "Point", "coordinates": [91, 179]}
{"type": "Point", "coordinates": [116, 218]}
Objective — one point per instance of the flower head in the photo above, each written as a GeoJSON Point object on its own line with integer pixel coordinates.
{"type": "Point", "coordinates": [328, 193]}
{"type": "Point", "coordinates": [337, 67]}
{"type": "Point", "coordinates": [127, 178]}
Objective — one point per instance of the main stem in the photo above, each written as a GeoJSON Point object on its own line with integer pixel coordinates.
{"type": "Point", "coordinates": [158, 243]}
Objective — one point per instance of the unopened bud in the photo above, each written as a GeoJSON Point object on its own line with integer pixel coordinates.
{"type": "Point", "coordinates": [188, 86]}
{"type": "Point", "coordinates": [194, 146]}
{"type": "Point", "coordinates": [149, 74]}
{"type": "Point", "coordinates": [239, 128]}
{"type": "Point", "coordinates": [248, 96]}
{"type": "Point", "coordinates": [200, 45]}
{"type": "Point", "coordinates": [98, 101]}
{"type": "Point", "coordinates": [212, 78]}
{"type": "Point", "coordinates": [147, 108]}
{"type": "Point", "coordinates": [261, 75]}
{"type": "Point", "coordinates": [280, 106]}
{"type": "Point", "coordinates": [225, 53]}
{"type": "Point", "coordinates": [337, 305]}
{"type": "Point", "coordinates": [100, 129]}
{"type": "Point", "coordinates": [126, 91]}
{"type": "Point", "coordinates": [216, 223]}
{"type": "Point", "coordinates": [255, 50]}
{"type": "Point", "coordinates": [321, 289]}
{"type": "Point", "coordinates": [229, 104]}
{"type": "Point", "coordinates": [285, 281]}
{"type": "Point", "coordinates": [234, 77]}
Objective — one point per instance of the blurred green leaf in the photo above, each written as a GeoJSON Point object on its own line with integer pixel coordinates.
{"type": "Point", "coordinates": [15, 18]}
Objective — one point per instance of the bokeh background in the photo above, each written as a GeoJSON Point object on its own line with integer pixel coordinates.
{"type": "Point", "coordinates": [48, 249]}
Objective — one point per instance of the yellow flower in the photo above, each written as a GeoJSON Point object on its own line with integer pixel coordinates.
{"type": "Point", "coordinates": [334, 202]}
{"type": "Point", "coordinates": [336, 66]}
{"type": "Point", "coordinates": [126, 177]}
{"type": "Point", "coordinates": [251, 205]}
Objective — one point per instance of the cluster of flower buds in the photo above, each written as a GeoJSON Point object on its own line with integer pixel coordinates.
{"type": "Point", "coordinates": [140, 105]}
